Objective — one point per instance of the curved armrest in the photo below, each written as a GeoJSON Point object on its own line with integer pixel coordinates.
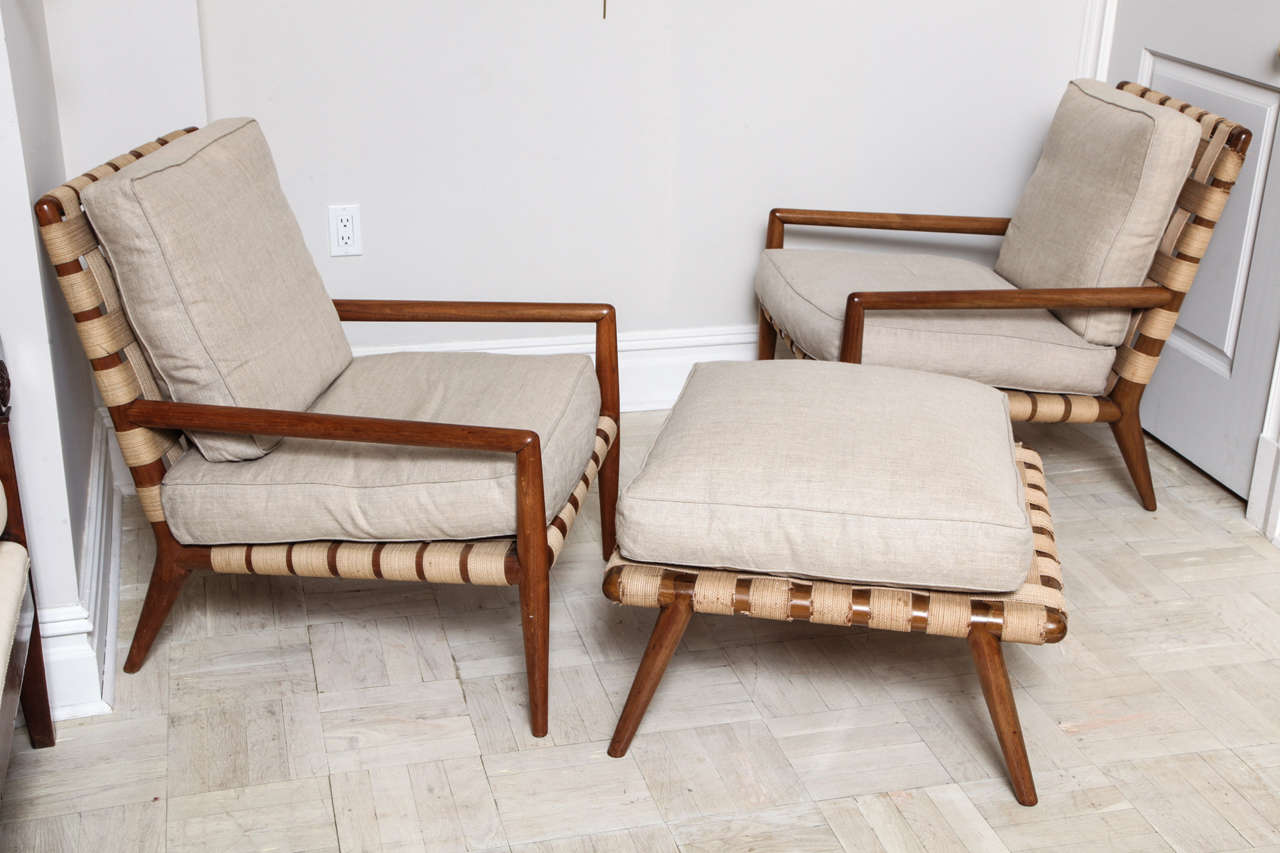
{"type": "Point", "coordinates": [782, 216]}
{"type": "Point", "coordinates": [1066, 297]}
{"type": "Point", "coordinates": [431, 311]}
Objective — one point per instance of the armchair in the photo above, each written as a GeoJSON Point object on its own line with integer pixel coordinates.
{"type": "Point", "coordinates": [1092, 272]}
{"type": "Point", "coordinates": [258, 445]}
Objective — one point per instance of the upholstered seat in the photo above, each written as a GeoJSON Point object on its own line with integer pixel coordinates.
{"type": "Point", "coordinates": [838, 472]}
{"type": "Point", "coordinates": [804, 291]}
{"type": "Point", "coordinates": [305, 490]}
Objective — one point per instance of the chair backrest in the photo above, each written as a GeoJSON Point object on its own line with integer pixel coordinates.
{"type": "Point", "coordinates": [119, 367]}
{"type": "Point", "coordinates": [1217, 164]}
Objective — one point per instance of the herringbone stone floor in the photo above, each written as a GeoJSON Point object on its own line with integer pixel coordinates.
{"type": "Point", "coordinates": [279, 714]}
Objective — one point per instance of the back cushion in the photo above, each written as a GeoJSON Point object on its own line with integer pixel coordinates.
{"type": "Point", "coordinates": [1098, 202]}
{"type": "Point", "coordinates": [216, 280]}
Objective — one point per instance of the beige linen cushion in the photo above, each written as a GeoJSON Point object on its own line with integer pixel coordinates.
{"type": "Point", "coordinates": [805, 292]}
{"type": "Point", "coordinates": [216, 280]}
{"type": "Point", "coordinates": [307, 490]}
{"type": "Point", "coordinates": [1098, 201]}
{"type": "Point", "coordinates": [826, 470]}
{"type": "Point", "coordinates": [13, 588]}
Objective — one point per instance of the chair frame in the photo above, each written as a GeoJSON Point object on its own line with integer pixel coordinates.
{"type": "Point", "coordinates": [1159, 300]}
{"type": "Point", "coordinates": [24, 683]}
{"type": "Point", "coordinates": [147, 430]}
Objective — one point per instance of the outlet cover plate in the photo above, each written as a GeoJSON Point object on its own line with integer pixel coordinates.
{"type": "Point", "coordinates": [344, 230]}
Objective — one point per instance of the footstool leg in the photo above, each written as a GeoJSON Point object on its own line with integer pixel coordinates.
{"type": "Point", "coordinates": [672, 620]}
{"type": "Point", "coordinates": [989, 660]}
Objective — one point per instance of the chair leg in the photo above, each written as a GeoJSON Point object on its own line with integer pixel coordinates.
{"type": "Point", "coordinates": [672, 620]}
{"type": "Point", "coordinates": [766, 338]}
{"type": "Point", "coordinates": [535, 620]}
{"type": "Point", "coordinates": [35, 693]}
{"type": "Point", "coordinates": [609, 497]}
{"type": "Point", "coordinates": [989, 661]}
{"type": "Point", "coordinates": [167, 578]}
{"type": "Point", "coordinates": [1128, 433]}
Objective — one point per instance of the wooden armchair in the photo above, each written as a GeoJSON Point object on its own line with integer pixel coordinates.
{"type": "Point", "coordinates": [434, 467]}
{"type": "Point", "coordinates": [1058, 367]}
{"type": "Point", "coordinates": [22, 679]}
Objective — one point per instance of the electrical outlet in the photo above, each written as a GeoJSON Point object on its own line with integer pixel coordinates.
{"type": "Point", "coordinates": [344, 230]}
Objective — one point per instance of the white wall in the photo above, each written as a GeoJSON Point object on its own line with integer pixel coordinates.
{"type": "Point", "coordinates": [82, 80]}
{"type": "Point", "coordinates": [505, 150]}
{"type": "Point", "coordinates": [52, 394]}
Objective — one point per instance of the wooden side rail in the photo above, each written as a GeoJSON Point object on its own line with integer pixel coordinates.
{"type": "Point", "coordinates": [1066, 297]}
{"type": "Point", "coordinates": [432, 311]}
{"type": "Point", "coordinates": [195, 417]}
{"type": "Point", "coordinates": [780, 217]}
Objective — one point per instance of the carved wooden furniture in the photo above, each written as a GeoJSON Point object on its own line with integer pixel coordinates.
{"type": "Point", "coordinates": [1053, 366]}
{"type": "Point", "coordinates": [387, 467]}
{"type": "Point", "coordinates": [895, 500]}
{"type": "Point", "coordinates": [22, 677]}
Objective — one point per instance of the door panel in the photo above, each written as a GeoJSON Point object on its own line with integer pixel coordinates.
{"type": "Point", "coordinates": [1208, 397]}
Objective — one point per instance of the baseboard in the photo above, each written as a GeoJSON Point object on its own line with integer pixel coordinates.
{"type": "Point", "coordinates": [652, 365]}
{"type": "Point", "coordinates": [78, 648]}
{"type": "Point", "coordinates": [1263, 509]}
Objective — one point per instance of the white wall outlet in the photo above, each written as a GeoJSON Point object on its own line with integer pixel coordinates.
{"type": "Point", "coordinates": [344, 230]}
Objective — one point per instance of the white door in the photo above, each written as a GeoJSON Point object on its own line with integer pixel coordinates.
{"type": "Point", "coordinates": [1210, 391]}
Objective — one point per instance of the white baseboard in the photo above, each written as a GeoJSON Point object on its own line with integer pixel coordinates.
{"type": "Point", "coordinates": [78, 639]}
{"type": "Point", "coordinates": [652, 365]}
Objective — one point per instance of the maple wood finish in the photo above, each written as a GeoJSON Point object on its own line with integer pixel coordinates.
{"type": "Point", "coordinates": [1171, 274]}
{"type": "Point", "coordinates": [148, 428]}
{"type": "Point", "coordinates": [24, 683]}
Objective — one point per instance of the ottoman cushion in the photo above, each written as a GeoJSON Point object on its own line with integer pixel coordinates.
{"type": "Point", "coordinates": [843, 472]}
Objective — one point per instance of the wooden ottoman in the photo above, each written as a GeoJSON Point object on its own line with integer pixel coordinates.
{"type": "Point", "coordinates": [843, 495]}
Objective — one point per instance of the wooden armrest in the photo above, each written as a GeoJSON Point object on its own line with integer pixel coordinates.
{"type": "Point", "coordinates": [781, 216]}
{"type": "Point", "coordinates": [1066, 297]}
{"type": "Point", "coordinates": [424, 311]}
{"type": "Point", "coordinates": [234, 419]}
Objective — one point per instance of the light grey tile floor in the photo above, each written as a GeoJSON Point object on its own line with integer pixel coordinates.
{"type": "Point", "coordinates": [278, 714]}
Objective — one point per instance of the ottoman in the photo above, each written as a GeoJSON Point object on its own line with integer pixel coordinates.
{"type": "Point", "coordinates": [843, 495]}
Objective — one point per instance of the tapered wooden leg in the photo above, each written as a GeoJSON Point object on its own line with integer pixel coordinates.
{"type": "Point", "coordinates": [672, 620]}
{"type": "Point", "coordinates": [535, 620]}
{"type": "Point", "coordinates": [609, 497]}
{"type": "Point", "coordinates": [167, 578]}
{"type": "Point", "coordinates": [1004, 713]}
{"type": "Point", "coordinates": [766, 338]}
{"type": "Point", "coordinates": [1128, 433]}
{"type": "Point", "coordinates": [35, 693]}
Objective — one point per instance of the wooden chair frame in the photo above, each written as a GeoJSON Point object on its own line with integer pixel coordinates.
{"type": "Point", "coordinates": [25, 681]}
{"type": "Point", "coordinates": [1217, 165]}
{"type": "Point", "coordinates": [148, 431]}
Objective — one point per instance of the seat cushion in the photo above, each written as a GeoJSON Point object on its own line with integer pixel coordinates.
{"type": "Point", "coordinates": [13, 589]}
{"type": "Point", "coordinates": [1098, 201]}
{"type": "Point", "coordinates": [305, 489]}
{"type": "Point", "coordinates": [216, 281]}
{"type": "Point", "coordinates": [805, 292]}
{"type": "Point", "coordinates": [835, 471]}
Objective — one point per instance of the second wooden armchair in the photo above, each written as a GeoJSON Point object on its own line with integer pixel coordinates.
{"type": "Point", "coordinates": [1094, 267]}
{"type": "Point", "coordinates": [258, 445]}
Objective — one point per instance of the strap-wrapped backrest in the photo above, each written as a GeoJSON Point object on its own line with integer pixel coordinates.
{"type": "Point", "coordinates": [119, 367]}
{"type": "Point", "coordinates": [1217, 164]}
